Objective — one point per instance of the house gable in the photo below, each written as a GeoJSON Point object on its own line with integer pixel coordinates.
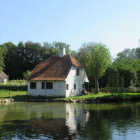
{"type": "Point", "coordinates": [75, 82]}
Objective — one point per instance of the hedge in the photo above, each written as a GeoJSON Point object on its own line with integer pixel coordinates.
{"type": "Point", "coordinates": [14, 87]}
{"type": "Point", "coordinates": [119, 90]}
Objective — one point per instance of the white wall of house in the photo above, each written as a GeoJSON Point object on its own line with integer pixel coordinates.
{"type": "Point", "coordinates": [79, 80]}
{"type": "Point", "coordinates": [57, 91]}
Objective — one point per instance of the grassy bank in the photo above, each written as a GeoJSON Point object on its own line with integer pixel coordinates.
{"type": "Point", "coordinates": [108, 97]}
{"type": "Point", "coordinates": [101, 97]}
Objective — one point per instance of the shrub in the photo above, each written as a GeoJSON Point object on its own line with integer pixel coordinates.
{"type": "Point", "coordinates": [119, 90]}
{"type": "Point", "coordinates": [14, 85]}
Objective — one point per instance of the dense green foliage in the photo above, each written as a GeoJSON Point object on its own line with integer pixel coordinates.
{"type": "Point", "coordinates": [1, 57]}
{"type": "Point", "coordinates": [125, 69]}
{"type": "Point", "coordinates": [96, 58]}
{"type": "Point", "coordinates": [14, 85]}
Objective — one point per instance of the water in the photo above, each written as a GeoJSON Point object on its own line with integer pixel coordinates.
{"type": "Point", "coordinates": [69, 121]}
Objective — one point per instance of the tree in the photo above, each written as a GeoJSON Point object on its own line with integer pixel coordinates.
{"type": "Point", "coordinates": [96, 58]}
{"type": "Point", "coordinates": [59, 44]}
{"type": "Point", "coordinates": [10, 60]}
{"type": "Point", "coordinates": [1, 57]}
{"type": "Point", "coordinates": [27, 74]}
{"type": "Point", "coordinates": [127, 65]}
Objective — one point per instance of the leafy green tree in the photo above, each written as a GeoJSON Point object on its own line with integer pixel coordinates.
{"type": "Point", "coordinates": [1, 57]}
{"type": "Point", "coordinates": [10, 60]}
{"type": "Point", "coordinates": [49, 50]}
{"type": "Point", "coordinates": [127, 65]}
{"type": "Point", "coordinates": [96, 58]}
{"type": "Point", "coordinates": [29, 55]}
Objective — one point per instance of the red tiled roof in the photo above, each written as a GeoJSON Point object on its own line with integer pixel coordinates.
{"type": "Point", "coordinates": [54, 68]}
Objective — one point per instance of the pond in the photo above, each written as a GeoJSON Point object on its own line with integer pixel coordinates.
{"type": "Point", "coordinates": [69, 121]}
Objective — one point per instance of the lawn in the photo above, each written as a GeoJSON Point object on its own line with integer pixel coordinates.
{"type": "Point", "coordinates": [14, 94]}
{"type": "Point", "coordinates": [107, 97]}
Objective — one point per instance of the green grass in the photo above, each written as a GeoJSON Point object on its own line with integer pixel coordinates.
{"type": "Point", "coordinates": [103, 97]}
{"type": "Point", "coordinates": [107, 97]}
{"type": "Point", "coordinates": [14, 94]}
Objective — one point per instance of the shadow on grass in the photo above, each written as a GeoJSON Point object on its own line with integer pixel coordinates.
{"type": "Point", "coordinates": [32, 98]}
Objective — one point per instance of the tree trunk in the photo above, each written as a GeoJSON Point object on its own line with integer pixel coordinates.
{"type": "Point", "coordinates": [96, 84]}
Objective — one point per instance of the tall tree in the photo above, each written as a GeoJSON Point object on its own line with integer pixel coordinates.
{"type": "Point", "coordinates": [1, 57]}
{"type": "Point", "coordinates": [10, 60]}
{"type": "Point", "coordinates": [96, 58]}
{"type": "Point", "coordinates": [127, 64]}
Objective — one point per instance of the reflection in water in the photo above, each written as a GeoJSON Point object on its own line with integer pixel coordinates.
{"type": "Point", "coordinates": [70, 121]}
{"type": "Point", "coordinates": [75, 117]}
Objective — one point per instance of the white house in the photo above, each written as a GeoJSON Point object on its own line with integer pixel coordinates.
{"type": "Point", "coordinates": [58, 76]}
{"type": "Point", "coordinates": [3, 77]}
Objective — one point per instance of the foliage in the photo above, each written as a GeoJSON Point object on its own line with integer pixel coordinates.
{"type": "Point", "coordinates": [125, 69]}
{"type": "Point", "coordinates": [14, 85]}
{"type": "Point", "coordinates": [96, 58]}
{"type": "Point", "coordinates": [27, 74]}
{"type": "Point", "coordinates": [119, 90]}
{"type": "Point", "coordinates": [1, 57]}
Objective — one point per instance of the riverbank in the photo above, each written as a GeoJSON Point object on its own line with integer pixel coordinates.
{"type": "Point", "coordinates": [103, 97]}
{"type": "Point", "coordinates": [90, 98]}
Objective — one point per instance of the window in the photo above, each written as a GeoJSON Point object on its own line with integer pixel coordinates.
{"type": "Point", "coordinates": [83, 85]}
{"type": "Point", "coordinates": [77, 71]}
{"type": "Point", "coordinates": [43, 85]}
{"type": "Point", "coordinates": [74, 86]}
{"type": "Point", "coordinates": [67, 86]}
{"type": "Point", "coordinates": [49, 85]}
{"type": "Point", "coordinates": [32, 85]}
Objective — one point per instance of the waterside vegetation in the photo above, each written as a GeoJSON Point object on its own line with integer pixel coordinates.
{"type": "Point", "coordinates": [104, 97]}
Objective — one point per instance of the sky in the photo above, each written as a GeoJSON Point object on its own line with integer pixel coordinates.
{"type": "Point", "coordinates": [115, 23]}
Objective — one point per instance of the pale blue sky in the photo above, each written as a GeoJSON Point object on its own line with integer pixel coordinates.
{"type": "Point", "coordinates": [116, 23]}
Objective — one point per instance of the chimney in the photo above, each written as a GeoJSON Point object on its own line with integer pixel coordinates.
{"type": "Point", "coordinates": [62, 52]}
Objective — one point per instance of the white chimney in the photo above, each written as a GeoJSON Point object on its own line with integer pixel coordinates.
{"type": "Point", "coordinates": [62, 52]}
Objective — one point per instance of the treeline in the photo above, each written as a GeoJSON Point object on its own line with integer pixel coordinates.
{"type": "Point", "coordinates": [123, 71]}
